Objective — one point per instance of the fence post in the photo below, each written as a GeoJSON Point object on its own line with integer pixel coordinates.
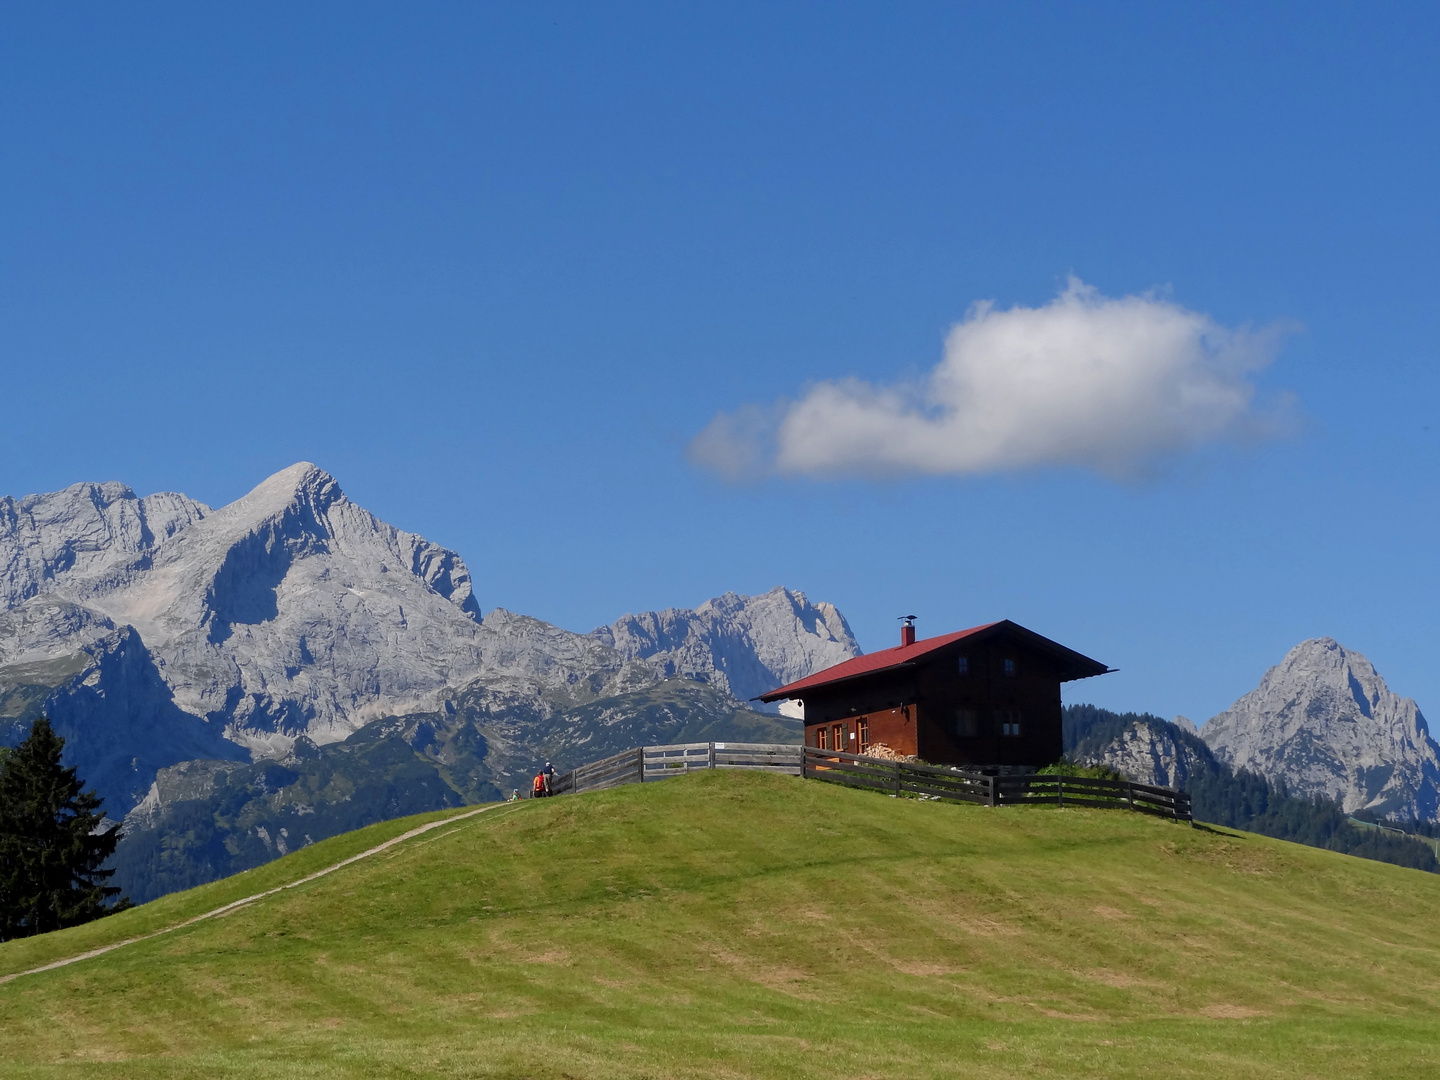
{"type": "Point", "coordinates": [897, 779]}
{"type": "Point", "coordinates": [994, 782]}
{"type": "Point", "coordinates": [712, 756]}
{"type": "Point", "coordinates": [1130, 793]}
{"type": "Point", "coordinates": [1059, 791]}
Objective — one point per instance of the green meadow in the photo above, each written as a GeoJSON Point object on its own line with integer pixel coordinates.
{"type": "Point", "coordinates": [731, 924]}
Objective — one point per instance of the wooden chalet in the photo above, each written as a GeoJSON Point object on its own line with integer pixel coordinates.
{"type": "Point", "coordinates": [987, 697]}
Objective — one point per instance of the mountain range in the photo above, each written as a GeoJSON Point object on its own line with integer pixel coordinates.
{"type": "Point", "coordinates": [236, 682]}
{"type": "Point", "coordinates": [184, 651]}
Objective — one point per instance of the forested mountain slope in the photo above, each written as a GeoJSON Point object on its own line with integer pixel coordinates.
{"type": "Point", "coordinates": [1150, 750]}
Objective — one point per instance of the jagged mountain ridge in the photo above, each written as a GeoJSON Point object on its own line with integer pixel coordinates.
{"type": "Point", "coordinates": [294, 613]}
{"type": "Point", "coordinates": [289, 610]}
{"type": "Point", "coordinates": [1138, 746]}
{"type": "Point", "coordinates": [746, 645]}
{"type": "Point", "coordinates": [1324, 722]}
{"type": "Point", "coordinates": [86, 530]}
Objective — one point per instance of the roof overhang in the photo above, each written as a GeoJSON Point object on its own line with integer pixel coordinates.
{"type": "Point", "coordinates": [1072, 665]}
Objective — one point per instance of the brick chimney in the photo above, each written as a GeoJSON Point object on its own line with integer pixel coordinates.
{"type": "Point", "coordinates": [907, 630]}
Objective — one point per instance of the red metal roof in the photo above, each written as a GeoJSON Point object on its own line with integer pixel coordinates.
{"type": "Point", "coordinates": [871, 662]}
{"type": "Point", "coordinates": [1074, 665]}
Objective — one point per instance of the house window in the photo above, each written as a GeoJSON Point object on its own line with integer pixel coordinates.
{"type": "Point", "coordinates": [1009, 666]}
{"type": "Point", "coordinates": [964, 665]}
{"type": "Point", "coordinates": [965, 726]}
{"type": "Point", "coordinates": [863, 726]}
{"type": "Point", "coordinates": [1009, 722]}
{"type": "Point", "coordinates": [822, 738]}
{"type": "Point", "coordinates": [839, 732]}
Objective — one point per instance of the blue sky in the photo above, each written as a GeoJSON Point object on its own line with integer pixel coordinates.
{"type": "Point", "coordinates": [496, 269]}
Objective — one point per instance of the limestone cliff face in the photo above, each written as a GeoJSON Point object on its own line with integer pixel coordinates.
{"type": "Point", "coordinates": [96, 531]}
{"type": "Point", "coordinates": [1147, 753]}
{"type": "Point", "coordinates": [290, 610]}
{"type": "Point", "coordinates": [1324, 721]}
{"type": "Point", "coordinates": [744, 645]}
{"type": "Point", "coordinates": [117, 716]}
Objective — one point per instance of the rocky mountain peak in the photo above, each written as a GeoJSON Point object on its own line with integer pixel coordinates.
{"type": "Point", "coordinates": [1324, 721]}
{"type": "Point", "coordinates": [745, 645]}
{"type": "Point", "coordinates": [288, 610]}
{"type": "Point", "coordinates": [303, 491]}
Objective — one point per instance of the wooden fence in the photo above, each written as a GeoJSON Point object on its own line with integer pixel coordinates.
{"type": "Point", "coordinates": [627, 767]}
{"type": "Point", "coordinates": [646, 763]}
{"type": "Point", "coordinates": [664, 761]}
{"type": "Point", "coordinates": [898, 777]}
{"type": "Point", "coordinates": [660, 762]}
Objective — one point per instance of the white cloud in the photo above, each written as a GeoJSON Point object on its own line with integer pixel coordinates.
{"type": "Point", "coordinates": [1114, 385]}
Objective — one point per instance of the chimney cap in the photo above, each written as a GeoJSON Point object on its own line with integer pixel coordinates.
{"type": "Point", "coordinates": [908, 620]}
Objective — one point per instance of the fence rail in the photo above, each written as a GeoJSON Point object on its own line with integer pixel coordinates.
{"type": "Point", "coordinates": [665, 761]}
{"type": "Point", "coordinates": [626, 767]}
{"type": "Point", "coordinates": [900, 777]}
{"type": "Point", "coordinates": [647, 763]}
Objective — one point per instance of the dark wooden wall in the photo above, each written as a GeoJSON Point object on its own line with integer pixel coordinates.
{"type": "Point", "coordinates": [963, 716]}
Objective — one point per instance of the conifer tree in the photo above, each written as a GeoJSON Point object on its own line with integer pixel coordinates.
{"type": "Point", "coordinates": [52, 848]}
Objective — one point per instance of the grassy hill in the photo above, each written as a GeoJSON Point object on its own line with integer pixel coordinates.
{"type": "Point", "coordinates": [737, 924]}
{"type": "Point", "coordinates": [217, 818]}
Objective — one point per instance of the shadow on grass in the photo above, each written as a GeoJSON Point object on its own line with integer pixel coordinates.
{"type": "Point", "coordinates": [1216, 830]}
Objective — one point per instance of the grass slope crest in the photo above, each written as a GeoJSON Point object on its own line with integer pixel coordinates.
{"type": "Point", "coordinates": [208, 819]}
{"type": "Point", "coordinates": [728, 924]}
